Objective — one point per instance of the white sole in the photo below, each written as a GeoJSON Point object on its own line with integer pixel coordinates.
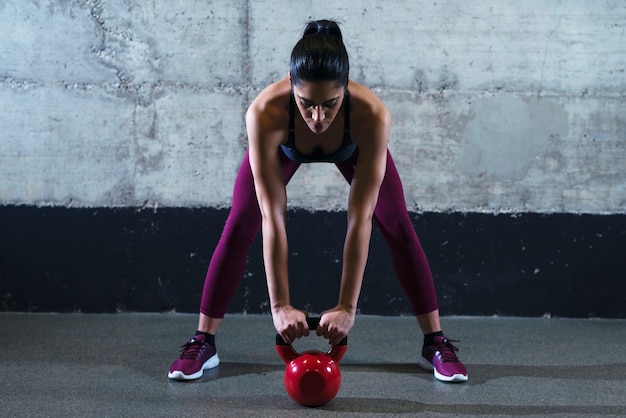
{"type": "Point", "coordinates": [209, 364]}
{"type": "Point", "coordinates": [425, 364]}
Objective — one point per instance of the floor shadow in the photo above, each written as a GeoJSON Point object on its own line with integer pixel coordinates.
{"type": "Point", "coordinates": [479, 374]}
{"type": "Point", "coordinates": [397, 406]}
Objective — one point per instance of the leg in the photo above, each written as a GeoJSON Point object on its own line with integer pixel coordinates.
{"type": "Point", "coordinates": [225, 272]}
{"type": "Point", "coordinates": [429, 322]}
{"type": "Point", "coordinates": [409, 261]}
{"type": "Point", "coordinates": [228, 262]}
{"type": "Point", "coordinates": [208, 324]}
{"type": "Point", "coordinates": [413, 272]}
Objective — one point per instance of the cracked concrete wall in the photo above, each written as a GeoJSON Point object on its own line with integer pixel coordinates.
{"type": "Point", "coordinates": [497, 105]}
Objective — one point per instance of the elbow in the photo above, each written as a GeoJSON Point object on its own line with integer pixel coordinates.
{"type": "Point", "coordinates": [272, 217]}
{"type": "Point", "coordinates": [358, 218]}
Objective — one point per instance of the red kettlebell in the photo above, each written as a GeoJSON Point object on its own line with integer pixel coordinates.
{"type": "Point", "coordinates": [312, 378]}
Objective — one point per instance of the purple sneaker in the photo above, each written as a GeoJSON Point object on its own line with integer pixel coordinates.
{"type": "Point", "coordinates": [196, 355]}
{"type": "Point", "coordinates": [441, 358]}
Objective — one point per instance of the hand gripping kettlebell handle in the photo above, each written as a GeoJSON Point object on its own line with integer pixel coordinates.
{"type": "Point", "coordinates": [313, 322]}
{"type": "Point", "coordinates": [288, 353]}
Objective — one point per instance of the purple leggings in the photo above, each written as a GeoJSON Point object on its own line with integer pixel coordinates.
{"type": "Point", "coordinates": [228, 262]}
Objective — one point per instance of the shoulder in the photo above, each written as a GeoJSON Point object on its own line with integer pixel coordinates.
{"type": "Point", "coordinates": [271, 106]}
{"type": "Point", "coordinates": [366, 108]}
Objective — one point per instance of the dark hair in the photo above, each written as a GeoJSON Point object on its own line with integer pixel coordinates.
{"type": "Point", "coordinates": [320, 55]}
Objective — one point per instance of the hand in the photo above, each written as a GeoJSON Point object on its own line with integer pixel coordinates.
{"type": "Point", "coordinates": [335, 324]}
{"type": "Point", "coordinates": [290, 323]}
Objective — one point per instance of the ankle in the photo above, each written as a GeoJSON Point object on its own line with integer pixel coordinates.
{"type": "Point", "coordinates": [209, 338]}
{"type": "Point", "coordinates": [429, 339]}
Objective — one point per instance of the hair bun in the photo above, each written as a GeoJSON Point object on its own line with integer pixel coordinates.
{"type": "Point", "coordinates": [322, 26]}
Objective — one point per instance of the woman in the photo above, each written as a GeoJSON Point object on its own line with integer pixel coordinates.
{"type": "Point", "coordinates": [316, 114]}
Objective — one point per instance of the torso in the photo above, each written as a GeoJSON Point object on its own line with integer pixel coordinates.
{"type": "Point", "coordinates": [335, 146]}
{"type": "Point", "coordinates": [270, 111]}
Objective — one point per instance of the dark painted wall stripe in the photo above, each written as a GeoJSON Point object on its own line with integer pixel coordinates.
{"type": "Point", "coordinates": [126, 259]}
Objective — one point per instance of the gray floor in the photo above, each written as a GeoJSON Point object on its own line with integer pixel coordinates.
{"type": "Point", "coordinates": [116, 365]}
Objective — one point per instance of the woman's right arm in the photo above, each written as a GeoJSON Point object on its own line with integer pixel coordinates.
{"type": "Point", "coordinates": [265, 134]}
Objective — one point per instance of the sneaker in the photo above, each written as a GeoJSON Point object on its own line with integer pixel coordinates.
{"type": "Point", "coordinates": [196, 356]}
{"type": "Point", "coordinates": [441, 358]}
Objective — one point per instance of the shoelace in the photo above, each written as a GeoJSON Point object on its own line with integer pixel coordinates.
{"type": "Point", "coordinates": [447, 349]}
{"type": "Point", "coordinates": [191, 349]}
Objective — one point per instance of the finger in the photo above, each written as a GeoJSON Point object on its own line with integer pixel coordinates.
{"type": "Point", "coordinates": [286, 338]}
{"type": "Point", "coordinates": [322, 330]}
{"type": "Point", "coordinates": [327, 333]}
{"type": "Point", "coordinates": [292, 329]}
{"type": "Point", "coordinates": [304, 328]}
{"type": "Point", "coordinates": [304, 325]}
{"type": "Point", "coordinates": [330, 338]}
{"type": "Point", "coordinates": [336, 339]}
{"type": "Point", "coordinates": [295, 331]}
{"type": "Point", "coordinates": [322, 327]}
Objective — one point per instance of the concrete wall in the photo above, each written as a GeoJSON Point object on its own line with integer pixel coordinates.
{"type": "Point", "coordinates": [509, 133]}
{"type": "Point", "coordinates": [497, 105]}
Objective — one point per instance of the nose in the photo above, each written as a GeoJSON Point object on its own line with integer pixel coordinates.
{"type": "Point", "coordinates": [318, 114]}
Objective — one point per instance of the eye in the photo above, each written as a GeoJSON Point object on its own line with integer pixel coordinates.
{"type": "Point", "coordinates": [330, 104]}
{"type": "Point", "coordinates": [306, 103]}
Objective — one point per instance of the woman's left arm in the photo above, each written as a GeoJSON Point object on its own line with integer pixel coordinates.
{"type": "Point", "coordinates": [373, 137]}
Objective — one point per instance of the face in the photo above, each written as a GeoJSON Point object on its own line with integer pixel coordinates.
{"type": "Point", "coordinates": [318, 103]}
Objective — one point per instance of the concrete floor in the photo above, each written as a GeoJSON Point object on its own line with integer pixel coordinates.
{"type": "Point", "coordinates": [78, 365]}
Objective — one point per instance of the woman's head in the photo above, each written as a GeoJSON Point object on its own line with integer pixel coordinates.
{"type": "Point", "coordinates": [320, 55]}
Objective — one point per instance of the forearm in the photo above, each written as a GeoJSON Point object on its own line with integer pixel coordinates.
{"type": "Point", "coordinates": [289, 322]}
{"type": "Point", "coordinates": [275, 260]}
{"type": "Point", "coordinates": [355, 253]}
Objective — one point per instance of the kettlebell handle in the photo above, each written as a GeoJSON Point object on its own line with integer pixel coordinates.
{"type": "Point", "coordinates": [313, 323]}
{"type": "Point", "coordinates": [288, 353]}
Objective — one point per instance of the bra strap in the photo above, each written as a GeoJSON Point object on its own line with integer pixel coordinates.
{"type": "Point", "coordinates": [346, 112]}
{"type": "Point", "coordinates": [292, 109]}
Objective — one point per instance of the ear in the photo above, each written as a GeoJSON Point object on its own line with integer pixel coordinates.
{"type": "Point", "coordinates": [289, 75]}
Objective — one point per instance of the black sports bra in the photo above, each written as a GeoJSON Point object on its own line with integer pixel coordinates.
{"type": "Point", "coordinates": [342, 154]}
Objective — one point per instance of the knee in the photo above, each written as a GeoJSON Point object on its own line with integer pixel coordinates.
{"type": "Point", "coordinates": [242, 226]}
{"type": "Point", "coordinates": [397, 227]}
